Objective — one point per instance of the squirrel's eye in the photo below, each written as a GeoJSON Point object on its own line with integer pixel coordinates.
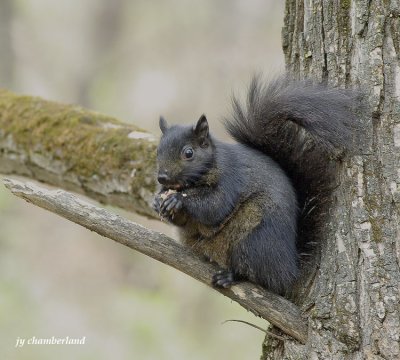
{"type": "Point", "coordinates": [187, 153]}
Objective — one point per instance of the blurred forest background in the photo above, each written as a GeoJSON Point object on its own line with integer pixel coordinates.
{"type": "Point", "coordinates": [133, 60]}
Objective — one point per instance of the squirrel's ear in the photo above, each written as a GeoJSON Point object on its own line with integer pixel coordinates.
{"type": "Point", "coordinates": [163, 125]}
{"type": "Point", "coordinates": [201, 128]}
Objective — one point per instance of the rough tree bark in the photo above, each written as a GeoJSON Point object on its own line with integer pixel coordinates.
{"type": "Point", "coordinates": [352, 299]}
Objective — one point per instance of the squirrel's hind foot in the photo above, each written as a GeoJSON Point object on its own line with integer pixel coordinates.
{"type": "Point", "coordinates": [224, 279]}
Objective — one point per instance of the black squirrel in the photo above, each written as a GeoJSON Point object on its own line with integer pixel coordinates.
{"type": "Point", "coordinates": [253, 206]}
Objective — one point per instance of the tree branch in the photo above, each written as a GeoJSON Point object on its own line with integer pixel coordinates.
{"type": "Point", "coordinates": [78, 150]}
{"type": "Point", "coordinates": [273, 308]}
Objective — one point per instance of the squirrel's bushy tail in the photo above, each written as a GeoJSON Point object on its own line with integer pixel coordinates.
{"type": "Point", "coordinates": [304, 127]}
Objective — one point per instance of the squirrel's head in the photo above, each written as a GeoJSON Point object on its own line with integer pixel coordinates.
{"type": "Point", "coordinates": [185, 154]}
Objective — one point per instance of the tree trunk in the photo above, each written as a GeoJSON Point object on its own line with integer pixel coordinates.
{"type": "Point", "coordinates": [352, 299]}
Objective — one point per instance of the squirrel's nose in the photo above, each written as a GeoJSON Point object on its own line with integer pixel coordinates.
{"type": "Point", "coordinates": [163, 179]}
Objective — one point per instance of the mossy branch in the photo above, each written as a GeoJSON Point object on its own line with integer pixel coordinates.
{"type": "Point", "coordinates": [273, 308]}
{"type": "Point", "coordinates": [78, 150]}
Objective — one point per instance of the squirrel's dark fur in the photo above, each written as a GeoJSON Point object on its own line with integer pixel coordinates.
{"type": "Point", "coordinates": [253, 206]}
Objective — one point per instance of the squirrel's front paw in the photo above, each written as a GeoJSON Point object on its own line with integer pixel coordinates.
{"type": "Point", "coordinates": [171, 205]}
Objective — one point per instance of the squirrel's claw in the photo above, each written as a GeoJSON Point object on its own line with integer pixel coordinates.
{"type": "Point", "coordinates": [171, 205]}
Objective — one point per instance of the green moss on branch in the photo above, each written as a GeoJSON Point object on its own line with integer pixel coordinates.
{"type": "Point", "coordinates": [82, 146]}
